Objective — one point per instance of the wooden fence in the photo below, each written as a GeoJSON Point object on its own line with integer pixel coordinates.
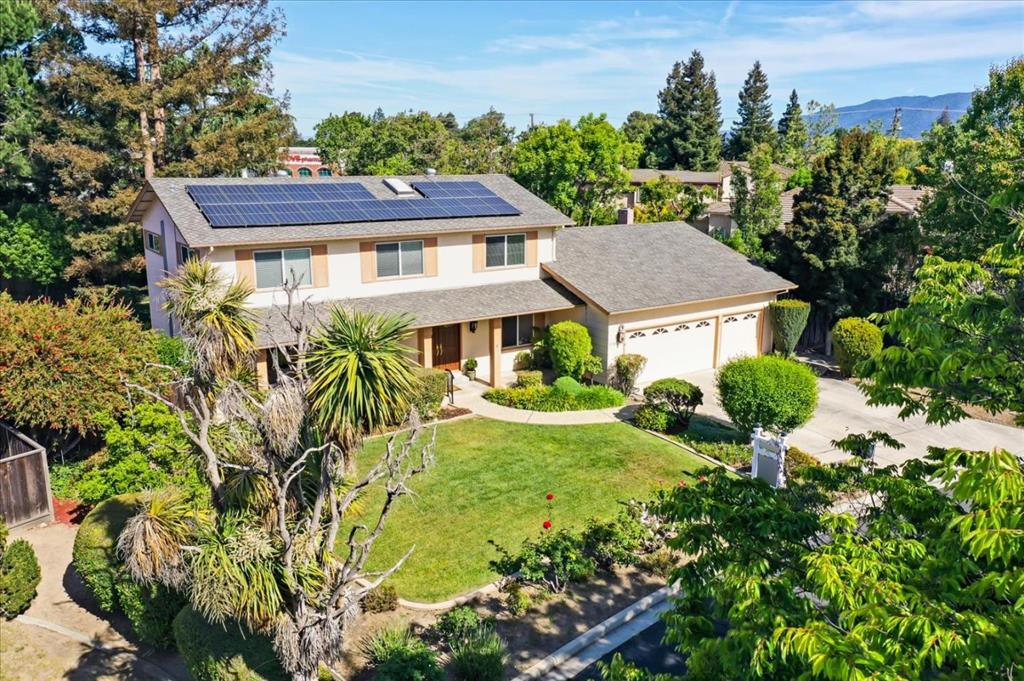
{"type": "Point", "coordinates": [24, 480]}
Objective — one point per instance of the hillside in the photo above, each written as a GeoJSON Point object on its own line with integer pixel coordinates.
{"type": "Point", "coordinates": [918, 112]}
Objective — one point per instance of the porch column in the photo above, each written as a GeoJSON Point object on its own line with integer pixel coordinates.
{"type": "Point", "coordinates": [426, 338]}
{"type": "Point", "coordinates": [495, 327]}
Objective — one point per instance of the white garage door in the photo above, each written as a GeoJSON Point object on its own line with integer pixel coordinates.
{"type": "Point", "coordinates": [674, 349]}
{"type": "Point", "coordinates": [739, 336]}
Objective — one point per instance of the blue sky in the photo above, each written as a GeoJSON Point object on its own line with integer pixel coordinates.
{"type": "Point", "coordinates": [563, 59]}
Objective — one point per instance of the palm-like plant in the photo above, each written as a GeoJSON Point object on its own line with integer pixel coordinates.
{"type": "Point", "coordinates": [361, 373]}
{"type": "Point", "coordinates": [213, 315]}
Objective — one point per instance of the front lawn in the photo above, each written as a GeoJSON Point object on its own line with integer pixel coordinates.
{"type": "Point", "coordinates": [489, 483]}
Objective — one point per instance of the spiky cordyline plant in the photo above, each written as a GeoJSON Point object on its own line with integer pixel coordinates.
{"type": "Point", "coordinates": [274, 557]}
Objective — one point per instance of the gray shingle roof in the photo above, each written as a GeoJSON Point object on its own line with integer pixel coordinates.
{"type": "Point", "coordinates": [641, 175]}
{"type": "Point", "coordinates": [198, 232]}
{"type": "Point", "coordinates": [442, 306]}
{"type": "Point", "coordinates": [633, 267]}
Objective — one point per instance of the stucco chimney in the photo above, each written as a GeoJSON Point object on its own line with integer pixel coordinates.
{"type": "Point", "coordinates": [625, 216]}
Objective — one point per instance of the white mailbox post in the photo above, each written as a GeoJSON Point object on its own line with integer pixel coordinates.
{"type": "Point", "coordinates": [769, 457]}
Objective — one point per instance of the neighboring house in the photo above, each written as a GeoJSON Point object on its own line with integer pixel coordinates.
{"type": "Point", "coordinates": [476, 285]}
{"type": "Point", "coordinates": [904, 199]}
{"type": "Point", "coordinates": [715, 183]}
{"type": "Point", "coordinates": [303, 162]}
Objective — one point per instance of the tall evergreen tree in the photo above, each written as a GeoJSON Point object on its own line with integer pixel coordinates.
{"type": "Point", "coordinates": [689, 118]}
{"type": "Point", "coordinates": [792, 134]}
{"type": "Point", "coordinates": [20, 23]}
{"type": "Point", "coordinates": [754, 125]}
{"type": "Point", "coordinates": [639, 128]}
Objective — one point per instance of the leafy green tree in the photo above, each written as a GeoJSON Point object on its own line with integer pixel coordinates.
{"type": "Point", "coordinates": [20, 24]}
{"type": "Point", "coordinates": [338, 137]}
{"type": "Point", "coordinates": [578, 169]}
{"type": "Point", "coordinates": [792, 136]}
{"type": "Point", "coordinates": [485, 144]}
{"type": "Point", "coordinates": [404, 144]}
{"type": "Point", "coordinates": [754, 125]}
{"type": "Point", "coordinates": [756, 207]}
{"type": "Point", "coordinates": [972, 160]}
{"type": "Point", "coordinates": [33, 245]}
{"type": "Point", "coordinates": [689, 118]}
{"type": "Point", "coordinates": [841, 249]}
{"type": "Point", "coordinates": [822, 124]}
{"type": "Point", "coordinates": [666, 200]}
{"type": "Point", "coordinates": [639, 128]}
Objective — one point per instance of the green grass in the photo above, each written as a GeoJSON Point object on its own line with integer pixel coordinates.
{"type": "Point", "coordinates": [490, 481]}
{"type": "Point", "coordinates": [717, 439]}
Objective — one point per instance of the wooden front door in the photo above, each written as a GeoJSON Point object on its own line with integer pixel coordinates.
{"type": "Point", "coordinates": [447, 347]}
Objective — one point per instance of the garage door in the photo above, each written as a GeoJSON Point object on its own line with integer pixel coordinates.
{"type": "Point", "coordinates": [674, 349]}
{"type": "Point", "coordinates": [739, 336]}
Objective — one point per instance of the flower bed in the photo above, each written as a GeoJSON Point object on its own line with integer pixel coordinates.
{"type": "Point", "coordinates": [548, 398]}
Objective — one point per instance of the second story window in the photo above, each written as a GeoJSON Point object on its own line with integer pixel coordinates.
{"type": "Point", "coordinates": [153, 243]}
{"type": "Point", "coordinates": [274, 269]}
{"type": "Point", "coordinates": [506, 250]}
{"type": "Point", "coordinates": [399, 259]}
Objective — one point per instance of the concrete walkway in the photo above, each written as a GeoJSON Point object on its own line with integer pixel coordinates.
{"type": "Point", "coordinates": [470, 396]}
{"type": "Point", "coordinates": [843, 409]}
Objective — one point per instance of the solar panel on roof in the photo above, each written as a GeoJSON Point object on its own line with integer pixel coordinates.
{"type": "Point", "coordinates": [252, 205]}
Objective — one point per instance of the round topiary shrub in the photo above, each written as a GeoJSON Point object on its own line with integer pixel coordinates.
{"type": "Point", "coordinates": [150, 608]}
{"type": "Point", "coordinates": [654, 417]}
{"type": "Point", "coordinates": [779, 394]}
{"type": "Point", "coordinates": [680, 397]}
{"type": "Point", "coordinates": [19, 575]}
{"type": "Point", "coordinates": [567, 385]}
{"type": "Point", "coordinates": [788, 319]}
{"type": "Point", "coordinates": [569, 346]}
{"type": "Point", "coordinates": [854, 340]}
{"type": "Point", "coordinates": [224, 653]}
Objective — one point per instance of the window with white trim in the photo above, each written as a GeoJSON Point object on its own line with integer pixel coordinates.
{"type": "Point", "coordinates": [399, 259]}
{"type": "Point", "coordinates": [516, 331]}
{"type": "Point", "coordinates": [154, 243]}
{"type": "Point", "coordinates": [274, 269]}
{"type": "Point", "coordinates": [505, 250]}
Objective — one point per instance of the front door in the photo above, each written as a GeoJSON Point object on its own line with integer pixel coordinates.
{"type": "Point", "coordinates": [447, 347]}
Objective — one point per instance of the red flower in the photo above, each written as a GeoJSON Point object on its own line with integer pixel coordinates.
{"type": "Point", "coordinates": [703, 478]}
{"type": "Point", "coordinates": [682, 483]}
{"type": "Point", "coordinates": [547, 524]}
{"type": "Point", "coordinates": [550, 496]}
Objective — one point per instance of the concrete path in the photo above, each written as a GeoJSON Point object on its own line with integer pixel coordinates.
{"type": "Point", "coordinates": [842, 409]}
{"type": "Point", "coordinates": [470, 396]}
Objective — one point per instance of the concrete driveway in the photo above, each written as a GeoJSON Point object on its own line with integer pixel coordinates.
{"type": "Point", "coordinates": [842, 410]}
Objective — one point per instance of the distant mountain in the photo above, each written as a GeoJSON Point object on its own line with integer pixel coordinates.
{"type": "Point", "coordinates": [917, 113]}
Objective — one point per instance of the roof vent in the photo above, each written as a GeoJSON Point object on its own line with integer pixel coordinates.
{"type": "Point", "coordinates": [399, 187]}
{"type": "Point", "coordinates": [431, 171]}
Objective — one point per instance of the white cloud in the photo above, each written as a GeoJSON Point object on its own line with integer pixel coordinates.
{"type": "Point", "coordinates": [934, 9]}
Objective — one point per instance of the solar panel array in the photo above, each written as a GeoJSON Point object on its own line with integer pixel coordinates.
{"type": "Point", "coordinates": [261, 205]}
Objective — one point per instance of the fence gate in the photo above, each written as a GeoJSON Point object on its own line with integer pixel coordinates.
{"type": "Point", "coordinates": [24, 480]}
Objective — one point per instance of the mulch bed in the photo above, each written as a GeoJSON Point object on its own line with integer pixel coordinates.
{"type": "Point", "coordinates": [452, 412]}
{"type": "Point", "coordinates": [69, 511]}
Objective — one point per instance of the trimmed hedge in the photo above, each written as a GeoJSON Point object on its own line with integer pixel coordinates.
{"type": "Point", "coordinates": [569, 346]}
{"type": "Point", "coordinates": [567, 385]}
{"type": "Point", "coordinates": [788, 319]}
{"type": "Point", "coordinates": [547, 398]}
{"type": "Point", "coordinates": [229, 653]}
{"type": "Point", "coordinates": [654, 417]}
{"type": "Point", "coordinates": [150, 608]}
{"type": "Point", "coordinates": [430, 392]}
{"type": "Point", "coordinates": [529, 379]}
{"type": "Point", "coordinates": [678, 396]}
{"type": "Point", "coordinates": [779, 394]}
{"type": "Point", "coordinates": [854, 340]}
{"type": "Point", "coordinates": [19, 575]}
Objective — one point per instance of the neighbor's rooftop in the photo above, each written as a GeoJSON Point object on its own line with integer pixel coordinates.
{"type": "Point", "coordinates": [621, 268]}
{"type": "Point", "coordinates": [197, 231]}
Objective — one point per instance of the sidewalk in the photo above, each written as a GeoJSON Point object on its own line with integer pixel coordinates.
{"type": "Point", "coordinates": [470, 396]}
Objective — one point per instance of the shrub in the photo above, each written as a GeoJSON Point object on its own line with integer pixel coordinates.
{"type": "Point", "coordinates": [798, 460]}
{"type": "Point", "coordinates": [523, 360]}
{"type": "Point", "coordinates": [854, 340]}
{"type": "Point", "coordinates": [547, 398]}
{"type": "Point", "coordinates": [380, 646]}
{"type": "Point", "coordinates": [569, 345]}
{"type": "Point", "coordinates": [471, 364]}
{"type": "Point", "coordinates": [628, 368]}
{"type": "Point", "coordinates": [554, 560]}
{"type": "Point", "coordinates": [430, 392]}
{"type": "Point", "coordinates": [171, 352]}
{"type": "Point", "coordinates": [458, 623]}
{"type": "Point", "coordinates": [777, 393]}
{"type": "Point", "coordinates": [529, 379]}
{"type": "Point", "coordinates": [382, 599]}
{"type": "Point", "coordinates": [599, 397]}
{"type": "Point", "coordinates": [660, 563]}
{"type": "Point", "coordinates": [62, 366]}
{"type": "Point", "coordinates": [654, 417]}
{"type": "Point", "coordinates": [224, 652]}
{"type": "Point", "coordinates": [567, 385]}
{"type": "Point", "coordinates": [479, 656]}
{"type": "Point", "coordinates": [592, 366]}
{"type": "Point", "coordinates": [400, 656]}
{"type": "Point", "coordinates": [679, 396]}
{"type": "Point", "coordinates": [788, 319]}
{"type": "Point", "coordinates": [517, 600]}
{"type": "Point", "coordinates": [19, 575]}
{"type": "Point", "coordinates": [94, 556]}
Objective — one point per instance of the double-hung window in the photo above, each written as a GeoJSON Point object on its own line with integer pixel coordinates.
{"type": "Point", "coordinates": [506, 250]}
{"type": "Point", "coordinates": [274, 269]}
{"type": "Point", "coordinates": [516, 331]}
{"type": "Point", "coordinates": [399, 259]}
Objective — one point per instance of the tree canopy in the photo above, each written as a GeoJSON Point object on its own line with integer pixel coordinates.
{"type": "Point", "coordinates": [756, 207]}
{"type": "Point", "coordinates": [689, 118]}
{"type": "Point", "coordinates": [753, 125]}
{"type": "Point", "coordinates": [792, 136]}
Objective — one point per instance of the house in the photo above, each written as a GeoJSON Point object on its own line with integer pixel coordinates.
{"type": "Point", "coordinates": [478, 274]}
{"type": "Point", "coordinates": [714, 184]}
{"type": "Point", "coordinates": [303, 162]}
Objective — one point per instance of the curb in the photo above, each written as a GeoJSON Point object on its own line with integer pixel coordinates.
{"type": "Point", "coordinates": [574, 646]}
